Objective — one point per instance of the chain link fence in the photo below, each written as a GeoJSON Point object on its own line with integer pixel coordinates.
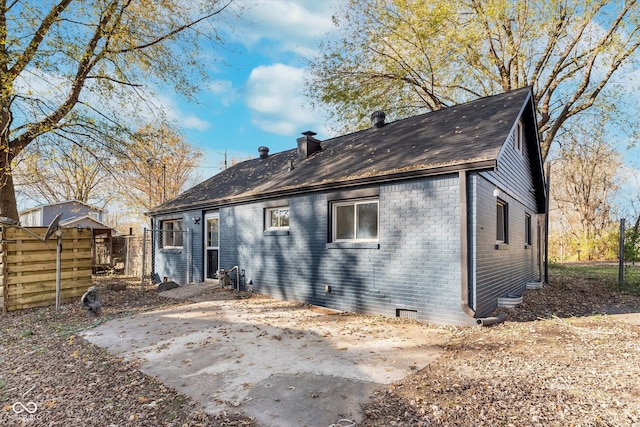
{"type": "Point", "coordinates": [172, 262]}
{"type": "Point", "coordinates": [623, 271]}
{"type": "Point", "coordinates": [127, 255]}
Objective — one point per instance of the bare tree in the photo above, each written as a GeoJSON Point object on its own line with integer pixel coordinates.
{"type": "Point", "coordinates": [82, 70]}
{"type": "Point", "coordinates": [161, 164]}
{"type": "Point", "coordinates": [584, 185]}
{"type": "Point", "coordinates": [407, 57]}
{"type": "Point", "coordinates": [64, 171]}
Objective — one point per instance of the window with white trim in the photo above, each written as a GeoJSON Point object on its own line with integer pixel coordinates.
{"type": "Point", "coordinates": [355, 221]}
{"type": "Point", "coordinates": [518, 137]}
{"type": "Point", "coordinates": [171, 236]}
{"type": "Point", "coordinates": [502, 222]}
{"type": "Point", "coordinates": [277, 218]}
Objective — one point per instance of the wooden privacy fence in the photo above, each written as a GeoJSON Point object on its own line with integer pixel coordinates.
{"type": "Point", "coordinates": [28, 267]}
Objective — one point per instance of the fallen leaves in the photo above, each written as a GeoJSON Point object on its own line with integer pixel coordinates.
{"type": "Point", "coordinates": [72, 382]}
{"type": "Point", "coordinates": [550, 364]}
{"type": "Point", "coordinates": [556, 361]}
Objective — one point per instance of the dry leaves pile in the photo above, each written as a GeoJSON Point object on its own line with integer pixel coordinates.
{"type": "Point", "coordinates": [555, 362]}
{"type": "Point", "coordinates": [51, 377]}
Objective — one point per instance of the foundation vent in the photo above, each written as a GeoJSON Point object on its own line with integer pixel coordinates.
{"type": "Point", "coordinates": [407, 314]}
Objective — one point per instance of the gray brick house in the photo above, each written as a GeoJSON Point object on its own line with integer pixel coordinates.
{"type": "Point", "coordinates": [433, 217]}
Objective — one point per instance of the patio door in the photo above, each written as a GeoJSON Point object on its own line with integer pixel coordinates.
{"type": "Point", "coordinates": [211, 246]}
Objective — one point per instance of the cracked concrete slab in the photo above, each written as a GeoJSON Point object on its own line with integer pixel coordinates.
{"type": "Point", "coordinates": [282, 363]}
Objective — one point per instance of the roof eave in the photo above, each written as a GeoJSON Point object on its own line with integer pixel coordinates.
{"type": "Point", "coordinates": [474, 165]}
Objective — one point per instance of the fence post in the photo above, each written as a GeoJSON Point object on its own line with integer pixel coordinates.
{"type": "Point", "coordinates": [144, 257]}
{"type": "Point", "coordinates": [127, 260]}
{"type": "Point", "coordinates": [3, 265]}
{"type": "Point", "coordinates": [621, 261]}
{"type": "Point", "coordinates": [188, 256]}
{"type": "Point", "coordinates": [59, 265]}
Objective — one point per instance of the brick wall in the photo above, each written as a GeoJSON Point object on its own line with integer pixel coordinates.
{"type": "Point", "coordinates": [415, 266]}
{"type": "Point", "coordinates": [185, 264]}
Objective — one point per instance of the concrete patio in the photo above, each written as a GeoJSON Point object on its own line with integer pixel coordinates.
{"type": "Point", "coordinates": [282, 363]}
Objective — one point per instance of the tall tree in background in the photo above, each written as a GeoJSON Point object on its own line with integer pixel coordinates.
{"type": "Point", "coordinates": [407, 56]}
{"type": "Point", "coordinates": [75, 69]}
{"type": "Point", "coordinates": [584, 186]}
{"type": "Point", "coordinates": [161, 165]}
{"type": "Point", "coordinates": [55, 172]}
{"type": "Point", "coordinates": [631, 212]}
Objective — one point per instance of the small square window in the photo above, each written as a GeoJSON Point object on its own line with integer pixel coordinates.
{"type": "Point", "coordinates": [171, 236]}
{"type": "Point", "coordinates": [355, 221]}
{"type": "Point", "coordinates": [502, 222]}
{"type": "Point", "coordinates": [527, 229]}
{"type": "Point", "coordinates": [277, 218]}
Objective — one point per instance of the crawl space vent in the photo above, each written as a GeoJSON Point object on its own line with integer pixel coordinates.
{"type": "Point", "coordinates": [407, 314]}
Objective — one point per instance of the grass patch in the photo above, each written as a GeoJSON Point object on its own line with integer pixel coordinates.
{"type": "Point", "coordinates": [607, 274]}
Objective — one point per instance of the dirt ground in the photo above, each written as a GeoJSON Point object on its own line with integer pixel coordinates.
{"type": "Point", "coordinates": [559, 359]}
{"type": "Point", "coordinates": [71, 382]}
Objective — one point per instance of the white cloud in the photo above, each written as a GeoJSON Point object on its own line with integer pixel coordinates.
{"type": "Point", "coordinates": [274, 96]}
{"type": "Point", "coordinates": [291, 24]}
{"type": "Point", "coordinates": [173, 112]}
{"type": "Point", "coordinates": [195, 123]}
{"type": "Point", "coordinates": [302, 19]}
{"type": "Point", "coordinates": [224, 91]}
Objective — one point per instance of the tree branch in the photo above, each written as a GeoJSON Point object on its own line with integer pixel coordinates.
{"type": "Point", "coordinates": [571, 107]}
{"type": "Point", "coordinates": [34, 44]}
{"type": "Point", "coordinates": [89, 58]}
{"type": "Point", "coordinates": [167, 36]}
{"type": "Point", "coordinates": [111, 79]}
{"type": "Point", "coordinates": [493, 54]}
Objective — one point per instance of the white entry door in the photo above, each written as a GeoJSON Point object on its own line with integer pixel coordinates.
{"type": "Point", "coordinates": [211, 246]}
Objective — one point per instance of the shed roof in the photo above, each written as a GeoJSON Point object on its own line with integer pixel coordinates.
{"type": "Point", "coordinates": [85, 221]}
{"type": "Point", "coordinates": [63, 202]}
{"type": "Point", "coordinates": [464, 137]}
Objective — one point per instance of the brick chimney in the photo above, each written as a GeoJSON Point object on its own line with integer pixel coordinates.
{"type": "Point", "coordinates": [307, 145]}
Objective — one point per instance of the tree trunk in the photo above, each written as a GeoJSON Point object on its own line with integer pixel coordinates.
{"type": "Point", "coordinates": [8, 205]}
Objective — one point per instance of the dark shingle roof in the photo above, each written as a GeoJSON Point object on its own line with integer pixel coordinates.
{"type": "Point", "coordinates": [466, 136]}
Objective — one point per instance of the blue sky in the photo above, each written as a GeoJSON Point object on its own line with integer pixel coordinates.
{"type": "Point", "coordinates": [256, 94]}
